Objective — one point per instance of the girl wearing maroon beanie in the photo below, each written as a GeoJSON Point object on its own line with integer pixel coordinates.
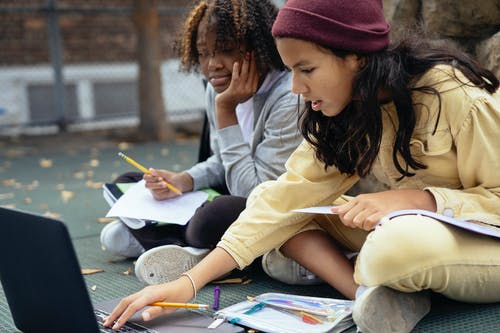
{"type": "Point", "coordinates": [421, 119]}
{"type": "Point", "coordinates": [424, 121]}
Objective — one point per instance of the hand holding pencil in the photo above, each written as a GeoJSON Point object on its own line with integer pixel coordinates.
{"type": "Point", "coordinates": [160, 182]}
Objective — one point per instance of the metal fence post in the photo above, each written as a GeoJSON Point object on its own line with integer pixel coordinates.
{"type": "Point", "coordinates": [54, 37]}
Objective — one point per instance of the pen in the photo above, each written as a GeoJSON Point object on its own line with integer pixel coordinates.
{"type": "Point", "coordinates": [180, 305]}
{"type": "Point", "coordinates": [143, 169]}
{"type": "Point", "coordinates": [216, 298]}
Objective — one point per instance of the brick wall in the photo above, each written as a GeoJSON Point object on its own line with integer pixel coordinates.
{"type": "Point", "coordinates": [87, 37]}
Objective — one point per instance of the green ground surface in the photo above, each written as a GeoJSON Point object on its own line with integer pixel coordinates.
{"type": "Point", "coordinates": [61, 176]}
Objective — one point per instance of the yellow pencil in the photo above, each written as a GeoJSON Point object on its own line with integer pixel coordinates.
{"type": "Point", "coordinates": [143, 169]}
{"type": "Point", "coordinates": [180, 305]}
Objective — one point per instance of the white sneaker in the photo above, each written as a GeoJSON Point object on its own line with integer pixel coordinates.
{"type": "Point", "coordinates": [287, 270]}
{"type": "Point", "coordinates": [166, 263]}
{"type": "Point", "coordinates": [118, 240]}
{"type": "Point", "coordinates": [385, 310]}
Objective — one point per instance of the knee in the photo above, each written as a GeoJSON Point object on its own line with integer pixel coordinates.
{"type": "Point", "coordinates": [399, 248]}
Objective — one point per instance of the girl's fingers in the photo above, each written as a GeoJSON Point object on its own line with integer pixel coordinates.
{"type": "Point", "coordinates": [236, 72]}
{"type": "Point", "coordinates": [372, 220]}
{"type": "Point", "coordinates": [118, 310]}
{"type": "Point", "coordinates": [245, 67]}
{"type": "Point", "coordinates": [254, 75]}
{"type": "Point", "coordinates": [155, 311]}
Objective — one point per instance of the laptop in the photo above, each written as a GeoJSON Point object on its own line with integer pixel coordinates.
{"type": "Point", "coordinates": [46, 292]}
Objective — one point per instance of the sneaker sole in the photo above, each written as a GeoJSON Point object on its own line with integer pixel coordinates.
{"type": "Point", "coordinates": [385, 310]}
{"type": "Point", "coordinates": [165, 263]}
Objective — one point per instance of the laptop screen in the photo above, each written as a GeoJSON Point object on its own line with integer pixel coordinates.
{"type": "Point", "coordinates": [41, 276]}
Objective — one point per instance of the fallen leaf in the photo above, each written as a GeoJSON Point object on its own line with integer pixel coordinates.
{"type": "Point", "coordinates": [105, 219]}
{"type": "Point", "coordinates": [128, 271]}
{"type": "Point", "coordinates": [88, 271]}
{"type": "Point", "coordinates": [247, 281]}
{"type": "Point", "coordinates": [67, 196]}
{"type": "Point", "coordinates": [94, 185]}
{"type": "Point", "coordinates": [123, 146]}
{"type": "Point", "coordinates": [94, 163]}
{"type": "Point", "coordinates": [79, 175]}
{"type": "Point", "coordinates": [34, 184]}
{"type": "Point", "coordinates": [5, 196]}
{"type": "Point", "coordinates": [52, 215]}
{"type": "Point", "coordinates": [45, 163]}
{"type": "Point", "coordinates": [9, 182]}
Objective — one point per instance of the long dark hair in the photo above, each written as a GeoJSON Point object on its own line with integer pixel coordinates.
{"type": "Point", "coordinates": [350, 141]}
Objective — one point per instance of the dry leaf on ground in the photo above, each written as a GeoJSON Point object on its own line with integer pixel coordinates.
{"type": "Point", "coordinates": [79, 175]}
{"type": "Point", "coordinates": [52, 215]}
{"type": "Point", "coordinates": [94, 185]}
{"type": "Point", "coordinates": [67, 196]}
{"type": "Point", "coordinates": [106, 219]}
{"type": "Point", "coordinates": [128, 271]}
{"type": "Point", "coordinates": [9, 182]}
{"type": "Point", "coordinates": [88, 271]}
{"type": "Point", "coordinates": [46, 163]}
{"type": "Point", "coordinates": [123, 146]}
{"type": "Point", "coordinates": [5, 196]}
{"type": "Point", "coordinates": [94, 163]}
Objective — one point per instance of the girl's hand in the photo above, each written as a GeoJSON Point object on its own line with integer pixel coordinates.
{"type": "Point", "coordinates": [156, 182]}
{"type": "Point", "coordinates": [178, 291]}
{"type": "Point", "coordinates": [365, 210]}
{"type": "Point", "coordinates": [244, 84]}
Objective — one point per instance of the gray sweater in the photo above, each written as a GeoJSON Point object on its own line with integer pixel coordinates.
{"type": "Point", "coordinates": [241, 165]}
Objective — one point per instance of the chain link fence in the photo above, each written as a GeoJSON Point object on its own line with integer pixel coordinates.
{"type": "Point", "coordinates": [75, 62]}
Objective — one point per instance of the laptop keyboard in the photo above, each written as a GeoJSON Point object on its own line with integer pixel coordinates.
{"type": "Point", "coordinates": [128, 327]}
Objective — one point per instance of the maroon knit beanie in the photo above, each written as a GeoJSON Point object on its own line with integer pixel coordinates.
{"type": "Point", "coordinates": [350, 25]}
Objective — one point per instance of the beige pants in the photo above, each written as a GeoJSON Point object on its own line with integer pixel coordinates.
{"type": "Point", "coordinates": [411, 253]}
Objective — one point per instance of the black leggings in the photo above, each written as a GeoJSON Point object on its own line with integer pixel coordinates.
{"type": "Point", "coordinates": [205, 228]}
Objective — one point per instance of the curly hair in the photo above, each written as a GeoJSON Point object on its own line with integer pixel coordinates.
{"type": "Point", "coordinates": [243, 21]}
{"type": "Point", "coordinates": [351, 140]}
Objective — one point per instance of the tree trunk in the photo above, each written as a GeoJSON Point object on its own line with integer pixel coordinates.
{"type": "Point", "coordinates": [154, 124]}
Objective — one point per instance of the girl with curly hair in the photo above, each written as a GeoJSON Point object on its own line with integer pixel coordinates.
{"type": "Point", "coordinates": [253, 129]}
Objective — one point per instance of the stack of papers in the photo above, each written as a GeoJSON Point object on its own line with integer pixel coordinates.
{"type": "Point", "coordinates": [138, 203]}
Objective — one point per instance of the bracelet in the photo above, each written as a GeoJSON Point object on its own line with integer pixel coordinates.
{"type": "Point", "coordinates": [192, 282]}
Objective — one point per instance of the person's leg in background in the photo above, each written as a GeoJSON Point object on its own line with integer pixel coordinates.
{"type": "Point", "coordinates": [202, 233]}
{"type": "Point", "coordinates": [212, 219]}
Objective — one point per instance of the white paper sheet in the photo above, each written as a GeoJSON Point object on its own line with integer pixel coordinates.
{"type": "Point", "coordinates": [138, 202]}
{"type": "Point", "coordinates": [477, 227]}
